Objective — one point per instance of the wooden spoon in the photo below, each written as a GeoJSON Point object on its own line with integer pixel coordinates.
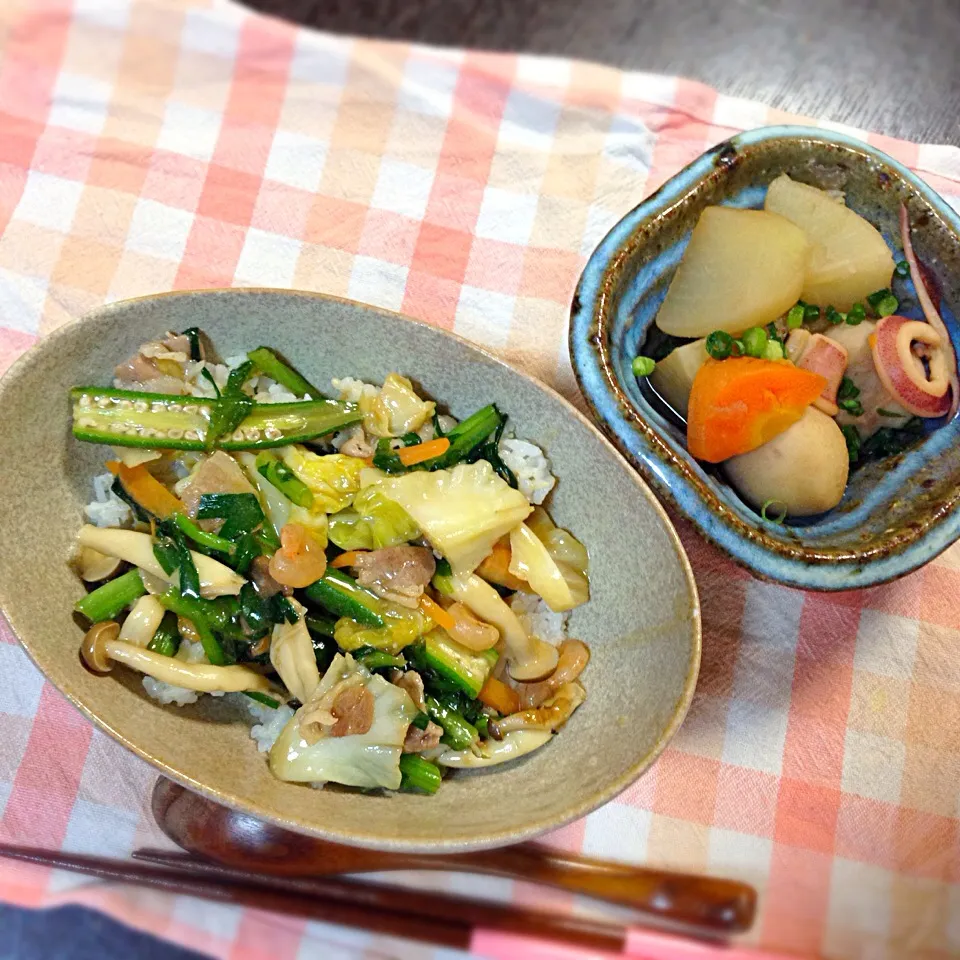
{"type": "Point", "coordinates": [210, 830]}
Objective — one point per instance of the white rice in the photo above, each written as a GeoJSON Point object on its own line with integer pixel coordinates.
{"type": "Point", "coordinates": [162, 692]}
{"type": "Point", "coordinates": [199, 385]}
{"type": "Point", "coordinates": [269, 723]}
{"type": "Point", "coordinates": [106, 509]}
{"type": "Point", "coordinates": [537, 619]}
{"type": "Point", "coordinates": [270, 392]}
{"type": "Point", "coordinates": [353, 390]}
{"type": "Point", "coordinates": [531, 467]}
{"type": "Point", "coordinates": [191, 652]}
{"type": "Point", "coordinates": [168, 693]}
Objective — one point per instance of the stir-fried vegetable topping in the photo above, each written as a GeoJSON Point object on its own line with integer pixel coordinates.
{"type": "Point", "coordinates": [347, 589]}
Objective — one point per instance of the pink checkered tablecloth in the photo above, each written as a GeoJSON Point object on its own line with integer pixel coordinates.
{"type": "Point", "coordinates": [147, 145]}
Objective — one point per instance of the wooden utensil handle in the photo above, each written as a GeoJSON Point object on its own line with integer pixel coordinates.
{"type": "Point", "coordinates": [724, 906]}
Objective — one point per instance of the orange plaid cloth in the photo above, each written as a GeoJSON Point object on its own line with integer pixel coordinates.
{"type": "Point", "coordinates": [155, 144]}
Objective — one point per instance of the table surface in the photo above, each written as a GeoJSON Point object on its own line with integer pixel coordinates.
{"type": "Point", "coordinates": [882, 65]}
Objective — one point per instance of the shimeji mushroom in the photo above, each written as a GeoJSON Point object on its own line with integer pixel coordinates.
{"type": "Point", "coordinates": [102, 647]}
{"type": "Point", "coordinates": [93, 566]}
{"type": "Point", "coordinates": [528, 658]}
{"type": "Point", "coordinates": [494, 752]}
{"type": "Point", "coordinates": [216, 579]}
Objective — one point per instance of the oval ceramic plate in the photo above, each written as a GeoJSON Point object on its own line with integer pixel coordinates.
{"type": "Point", "coordinates": [897, 513]}
{"type": "Point", "coordinates": [642, 624]}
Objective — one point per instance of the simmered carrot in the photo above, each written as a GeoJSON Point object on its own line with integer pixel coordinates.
{"type": "Point", "coordinates": [496, 567]}
{"type": "Point", "coordinates": [436, 613]}
{"type": "Point", "coordinates": [409, 456]}
{"type": "Point", "coordinates": [149, 492]}
{"type": "Point", "coordinates": [495, 693]}
{"type": "Point", "coordinates": [737, 405]}
{"type": "Point", "coordinates": [348, 559]}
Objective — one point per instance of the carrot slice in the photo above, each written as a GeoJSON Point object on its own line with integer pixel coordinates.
{"type": "Point", "coordinates": [149, 492]}
{"type": "Point", "coordinates": [423, 451]}
{"type": "Point", "coordinates": [496, 567]}
{"type": "Point", "coordinates": [348, 559]}
{"type": "Point", "coordinates": [737, 405]}
{"type": "Point", "coordinates": [495, 693]}
{"type": "Point", "coordinates": [436, 613]}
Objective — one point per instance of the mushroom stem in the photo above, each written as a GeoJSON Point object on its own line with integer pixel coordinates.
{"type": "Point", "coordinates": [216, 579]}
{"type": "Point", "coordinates": [203, 677]}
{"type": "Point", "coordinates": [101, 646]}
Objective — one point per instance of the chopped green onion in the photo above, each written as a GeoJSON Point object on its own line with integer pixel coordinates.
{"type": "Point", "coordinates": [262, 698]}
{"type": "Point", "coordinates": [811, 312]}
{"type": "Point", "coordinates": [419, 775]}
{"type": "Point", "coordinates": [200, 613]}
{"type": "Point", "coordinates": [891, 413]}
{"type": "Point", "coordinates": [883, 302]}
{"type": "Point", "coordinates": [795, 316]}
{"type": "Point", "coordinates": [847, 389]}
{"type": "Point", "coordinates": [238, 377]}
{"type": "Point", "coordinates": [902, 269]}
{"type": "Point", "coordinates": [755, 342]}
{"type": "Point", "coordinates": [457, 732]}
{"type": "Point", "coordinates": [320, 625]}
{"type": "Point", "coordinates": [719, 345]}
{"type": "Point", "coordinates": [285, 480]}
{"type": "Point", "coordinates": [254, 610]}
{"type": "Point", "coordinates": [269, 364]}
{"type": "Point", "coordinates": [166, 640]}
{"type": "Point", "coordinates": [766, 506]}
{"type": "Point", "coordinates": [241, 512]}
{"type": "Point", "coordinates": [420, 721]}
{"type": "Point", "coordinates": [890, 441]}
{"type": "Point", "coordinates": [282, 609]}
{"type": "Point", "coordinates": [465, 438]}
{"type": "Point", "coordinates": [642, 366]}
{"type": "Point", "coordinates": [773, 333]}
{"type": "Point", "coordinates": [834, 316]}
{"type": "Point", "coordinates": [853, 406]}
{"type": "Point", "coordinates": [374, 659]}
{"type": "Point", "coordinates": [888, 306]}
{"type": "Point", "coordinates": [739, 348]}
{"type": "Point", "coordinates": [856, 315]}
{"type": "Point", "coordinates": [208, 376]}
{"type": "Point", "coordinates": [108, 600]}
{"type": "Point", "coordinates": [205, 539]}
{"type": "Point", "coordinates": [773, 350]}
{"type": "Point", "coordinates": [228, 414]}
{"type": "Point", "coordinates": [852, 437]}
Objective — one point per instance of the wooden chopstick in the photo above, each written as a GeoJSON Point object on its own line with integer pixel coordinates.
{"type": "Point", "coordinates": [416, 915]}
{"type": "Point", "coordinates": [429, 906]}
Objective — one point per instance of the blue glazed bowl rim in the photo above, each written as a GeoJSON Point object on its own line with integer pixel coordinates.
{"type": "Point", "coordinates": [620, 417]}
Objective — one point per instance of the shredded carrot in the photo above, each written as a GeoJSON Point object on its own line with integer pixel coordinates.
{"type": "Point", "coordinates": [495, 693]}
{"type": "Point", "coordinates": [436, 613]}
{"type": "Point", "coordinates": [348, 559]}
{"type": "Point", "coordinates": [423, 451]}
{"type": "Point", "coordinates": [149, 492]}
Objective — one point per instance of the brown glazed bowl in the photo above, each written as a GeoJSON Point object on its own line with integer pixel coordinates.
{"type": "Point", "coordinates": [897, 513]}
{"type": "Point", "coordinates": [642, 623]}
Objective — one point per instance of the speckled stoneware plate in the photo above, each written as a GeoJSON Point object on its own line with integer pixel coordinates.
{"type": "Point", "coordinates": [897, 513]}
{"type": "Point", "coordinates": [642, 624]}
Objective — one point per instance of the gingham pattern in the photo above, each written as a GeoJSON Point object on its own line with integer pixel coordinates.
{"type": "Point", "coordinates": [155, 144]}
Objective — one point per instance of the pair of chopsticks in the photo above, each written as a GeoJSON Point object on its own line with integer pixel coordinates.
{"type": "Point", "coordinates": [499, 931]}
